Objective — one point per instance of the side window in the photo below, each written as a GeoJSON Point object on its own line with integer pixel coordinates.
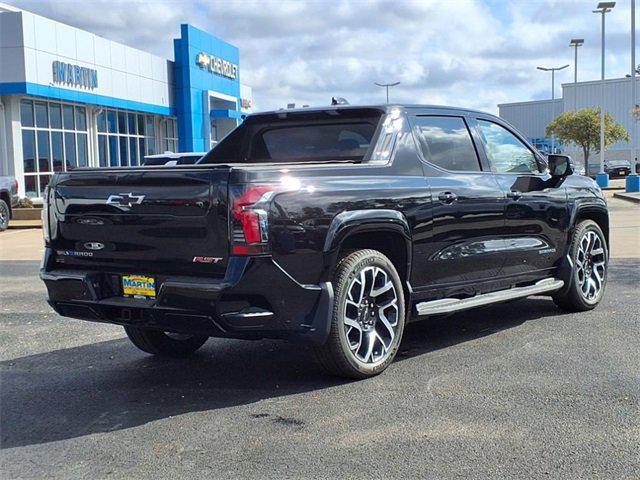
{"type": "Point", "coordinates": [506, 152]}
{"type": "Point", "coordinates": [446, 142]}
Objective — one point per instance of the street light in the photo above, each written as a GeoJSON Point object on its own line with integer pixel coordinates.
{"type": "Point", "coordinates": [553, 97]}
{"type": "Point", "coordinates": [632, 184]}
{"type": "Point", "coordinates": [387, 85]}
{"type": "Point", "coordinates": [575, 43]}
{"type": "Point", "coordinates": [602, 178]}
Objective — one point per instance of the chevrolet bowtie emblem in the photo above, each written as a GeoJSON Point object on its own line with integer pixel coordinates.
{"type": "Point", "coordinates": [125, 200]}
{"type": "Point", "coordinates": [203, 60]}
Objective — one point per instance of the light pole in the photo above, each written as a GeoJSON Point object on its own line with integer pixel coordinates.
{"type": "Point", "coordinates": [575, 43]}
{"type": "Point", "coordinates": [553, 98]}
{"type": "Point", "coordinates": [387, 85]}
{"type": "Point", "coordinates": [633, 182]}
{"type": "Point", "coordinates": [602, 178]}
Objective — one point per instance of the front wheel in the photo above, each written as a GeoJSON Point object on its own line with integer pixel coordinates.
{"type": "Point", "coordinates": [368, 317]}
{"type": "Point", "coordinates": [590, 259]}
{"type": "Point", "coordinates": [164, 344]}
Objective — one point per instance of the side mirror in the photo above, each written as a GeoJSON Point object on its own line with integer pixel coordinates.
{"type": "Point", "coordinates": [560, 165]}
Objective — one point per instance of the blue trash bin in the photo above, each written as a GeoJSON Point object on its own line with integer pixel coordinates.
{"type": "Point", "coordinates": [633, 183]}
{"type": "Point", "coordinates": [602, 179]}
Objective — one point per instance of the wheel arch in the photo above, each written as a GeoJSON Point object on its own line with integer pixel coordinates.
{"type": "Point", "coordinates": [384, 230]}
{"type": "Point", "coordinates": [595, 213]}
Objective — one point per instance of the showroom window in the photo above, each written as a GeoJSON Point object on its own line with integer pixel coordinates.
{"type": "Point", "coordinates": [54, 139]}
{"type": "Point", "coordinates": [170, 135]}
{"type": "Point", "coordinates": [124, 137]}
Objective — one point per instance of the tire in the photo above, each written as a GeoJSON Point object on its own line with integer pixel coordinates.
{"type": "Point", "coordinates": [365, 335]}
{"type": "Point", "coordinates": [164, 344]}
{"type": "Point", "coordinates": [589, 276]}
{"type": "Point", "coordinates": [5, 214]}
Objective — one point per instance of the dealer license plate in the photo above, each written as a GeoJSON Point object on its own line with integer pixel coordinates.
{"type": "Point", "coordinates": [138, 286]}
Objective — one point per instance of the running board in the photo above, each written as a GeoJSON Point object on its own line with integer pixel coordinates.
{"type": "Point", "coordinates": [449, 305]}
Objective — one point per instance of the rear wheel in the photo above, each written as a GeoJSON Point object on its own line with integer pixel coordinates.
{"type": "Point", "coordinates": [590, 259]}
{"type": "Point", "coordinates": [4, 215]}
{"type": "Point", "coordinates": [368, 317]}
{"type": "Point", "coordinates": [164, 344]}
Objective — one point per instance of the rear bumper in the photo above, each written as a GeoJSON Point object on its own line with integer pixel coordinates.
{"type": "Point", "coordinates": [256, 299]}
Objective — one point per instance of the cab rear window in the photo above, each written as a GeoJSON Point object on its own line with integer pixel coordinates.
{"type": "Point", "coordinates": [333, 135]}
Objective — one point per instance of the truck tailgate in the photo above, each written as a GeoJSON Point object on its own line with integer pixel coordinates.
{"type": "Point", "coordinates": [166, 220]}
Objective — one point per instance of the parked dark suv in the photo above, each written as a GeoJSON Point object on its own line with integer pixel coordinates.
{"type": "Point", "coordinates": [334, 226]}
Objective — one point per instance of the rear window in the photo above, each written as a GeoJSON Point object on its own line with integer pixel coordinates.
{"type": "Point", "coordinates": [446, 142]}
{"type": "Point", "coordinates": [332, 135]}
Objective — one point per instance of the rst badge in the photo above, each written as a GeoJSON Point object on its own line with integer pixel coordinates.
{"type": "Point", "coordinates": [207, 259]}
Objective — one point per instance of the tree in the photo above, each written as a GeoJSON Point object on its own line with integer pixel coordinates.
{"type": "Point", "coordinates": [582, 128]}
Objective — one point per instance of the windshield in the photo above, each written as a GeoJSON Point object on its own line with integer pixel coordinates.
{"type": "Point", "coordinates": [288, 137]}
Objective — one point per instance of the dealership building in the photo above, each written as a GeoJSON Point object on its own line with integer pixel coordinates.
{"type": "Point", "coordinates": [532, 118]}
{"type": "Point", "coordinates": [70, 98]}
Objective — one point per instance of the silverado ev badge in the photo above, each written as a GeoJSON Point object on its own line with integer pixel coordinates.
{"type": "Point", "coordinates": [125, 200]}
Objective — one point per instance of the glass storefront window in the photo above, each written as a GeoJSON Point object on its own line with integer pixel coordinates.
{"type": "Point", "coordinates": [55, 115]}
{"type": "Point", "coordinates": [133, 137]}
{"type": "Point", "coordinates": [26, 113]}
{"type": "Point", "coordinates": [57, 151]}
{"type": "Point", "coordinates": [30, 187]}
{"type": "Point", "coordinates": [43, 151]}
{"type": "Point", "coordinates": [102, 150]}
{"type": "Point", "coordinates": [67, 113]}
{"type": "Point", "coordinates": [133, 151]}
{"type": "Point", "coordinates": [81, 118]}
{"type": "Point", "coordinates": [122, 122]}
{"type": "Point", "coordinates": [111, 121]}
{"type": "Point", "coordinates": [123, 152]}
{"type": "Point", "coordinates": [102, 121]}
{"type": "Point", "coordinates": [29, 151]}
{"type": "Point", "coordinates": [55, 142]}
{"type": "Point", "coordinates": [113, 151]}
{"type": "Point", "coordinates": [42, 116]}
{"type": "Point", "coordinates": [70, 149]}
{"type": "Point", "coordinates": [83, 158]}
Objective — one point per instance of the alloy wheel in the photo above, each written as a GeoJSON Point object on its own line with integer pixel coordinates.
{"type": "Point", "coordinates": [371, 315]}
{"type": "Point", "coordinates": [591, 266]}
{"type": "Point", "coordinates": [4, 216]}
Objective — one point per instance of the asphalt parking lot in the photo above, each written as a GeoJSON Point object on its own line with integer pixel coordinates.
{"type": "Point", "coordinates": [515, 390]}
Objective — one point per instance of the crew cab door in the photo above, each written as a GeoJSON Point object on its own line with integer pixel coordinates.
{"type": "Point", "coordinates": [465, 245]}
{"type": "Point", "coordinates": [536, 214]}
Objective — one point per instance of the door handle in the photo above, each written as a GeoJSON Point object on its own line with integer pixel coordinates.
{"type": "Point", "coordinates": [447, 197]}
{"type": "Point", "coordinates": [514, 195]}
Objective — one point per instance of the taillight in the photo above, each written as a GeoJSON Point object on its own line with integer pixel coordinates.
{"type": "Point", "coordinates": [15, 185]}
{"type": "Point", "coordinates": [249, 219]}
{"type": "Point", "coordinates": [249, 215]}
{"type": "Point", "coordinates": [46, 232]}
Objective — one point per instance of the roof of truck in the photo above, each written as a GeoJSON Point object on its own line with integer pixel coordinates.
{"type": "Point", "coordinates": [382, 107]}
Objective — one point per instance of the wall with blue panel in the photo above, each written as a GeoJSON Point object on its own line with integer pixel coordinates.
{"type": "Point", "coordinates": [191, 80]}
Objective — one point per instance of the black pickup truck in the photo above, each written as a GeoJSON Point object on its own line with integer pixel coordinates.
{"type": "Point", "coordinates": [334, 226]}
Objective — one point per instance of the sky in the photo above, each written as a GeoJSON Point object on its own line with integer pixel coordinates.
{"type": "Point", "coordinates": [467, 53]}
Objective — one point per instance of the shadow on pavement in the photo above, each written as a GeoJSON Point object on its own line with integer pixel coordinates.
{"type": "Point", "coordinates": [110, 385]}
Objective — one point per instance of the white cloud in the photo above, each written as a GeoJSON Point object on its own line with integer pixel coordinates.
{"type": "Point", "coordinates": [474, 53]}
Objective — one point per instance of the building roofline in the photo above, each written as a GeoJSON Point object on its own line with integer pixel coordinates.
{"type": "Point", "coordinates": [596, 82]}
{"type": "Point", "coordinates": [530, 102]}
{"type": "Point", "coordinates": [4, 7]}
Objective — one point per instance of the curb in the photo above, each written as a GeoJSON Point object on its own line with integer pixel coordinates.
{"type": "Point", "coordinates": [629, 197]}
{"type": "Point", "coordinates": [24, 224]}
